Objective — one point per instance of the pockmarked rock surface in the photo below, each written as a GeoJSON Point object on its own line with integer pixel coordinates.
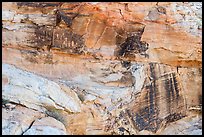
{"type": "Point", "coordinates": [102, 67]}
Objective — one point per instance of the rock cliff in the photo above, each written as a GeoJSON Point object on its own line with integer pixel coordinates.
{"type": "Point", "coordinates": [101, 68]}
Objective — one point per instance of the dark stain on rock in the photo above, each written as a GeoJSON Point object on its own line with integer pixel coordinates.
{"type": "Point", "coordinates": [42, 37]}
{"type": "Point", "coordinates": [152, 70]}
{"type": "Point", "coordinates": [176, 86]}
{"type": "Point", "coordinates": [200, 99]}
{"type": "Point", "coordinates": [174, 101]}
{"type": "Point", "coordinates": [132, 45]}
{"type": "Point", "coordinates": [168, 88]}
{"type": "Point", "coordinates": [62, 16]}
{"type": "Point", "coordinates": [66, 40]}
{"type": "Point", "coordinates": [48, 59]}
{"type": "Point", "coordinates": [151, 96]}
{"type": "Point", "coordinates": [126, 64]}
{"type": "Point", "coordinates": [153, 86]}
{"type": "Point", "coordinates": [171, 85]}
{"type": "Point", "coordinates": [38, 4]}
{"type": "Point", "coordinates": [200, 70]}
{"type": "Point", "coordinates": [121, 129]}
{"type": "Point", "coordinates": [140, 122]}
{"type": "Point", "coordinates": [120, 39]}
{"type": "Point", "coordinates": [147, 117]}
{"type": "Point", "coordinates": [146, 114]}
{"type": "Point", "coordinates": [37, 57]}
{"type": "Point", "coordinates": [67, 16]}
{"type": "Point", "coordinates": [30, 56]}
{"type": "Point", "coordinates": [174, 117]}
{"type": "Point", "coordinates": [127, 79]}
{"type": "Point", "coordinates": [161, 10]}
{"type": "Point", "coordinates": [47, 37]}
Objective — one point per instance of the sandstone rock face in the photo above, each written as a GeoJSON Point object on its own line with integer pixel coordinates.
{"type": "Point", "coordinates": [186, 126]}
{"type": "Point", "coordinates": [46, 126]}
{"type": "Point", "coordinates": [35, 92]}
{"type": "Point", "coordinates": [17, 119]}
{"type": "Point", "coordinates": [102, 68]}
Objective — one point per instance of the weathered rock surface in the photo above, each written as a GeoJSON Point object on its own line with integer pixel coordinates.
{"type": "Point", "coordinates": [105, 68]}
{"type": "Point", "coordinates": [186, 126]}
{"type": "Point", "coordinates": [46, 126]}
{"type": "Point", "coordinates": [36, 92]}
{"type": "Point", "coordinates": [17, 119]}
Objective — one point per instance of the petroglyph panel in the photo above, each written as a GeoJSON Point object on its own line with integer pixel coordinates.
{"type": "Point", "coordinates": [66, 40]}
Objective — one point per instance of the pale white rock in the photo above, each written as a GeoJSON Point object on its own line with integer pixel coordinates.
{"type": "Point", "coordinates": [36, 92]}
{"type": "Point", "coordinates": [46, 126]}
{"type": "Point", "coordinates": [19, 17]}
{"type": "Point", "coordinates": [145, 132]}
{"type": "Point", "coordinates": [42, 19]}
{"type": "Point", "coordinates": [19, 26]}
{"type": "Point", "coordinates": [10, 106]}
{"type": "Point", "coordinates": [89, 97]}
{"type": "Point", "coordinates": [153, 15]}
{"type": "Point", "coordinates": [191, 16]}
{"type": "Point", "coordinates": [111, 96]}
{"type": "Point", "coordinates": [187, 126]}
{"type": "Point", "coordinates": [93, 2]}
{"type": "Point", "coordinates": [139, 74]}
{"type": "Point", "coordinates": [107, 50]}
{"type": "Point", "coordinates": [17, 119]}
{"type": "Point", "coordinates": [111, 77]}
{"type": "Point", "coordinates": [7, 15]}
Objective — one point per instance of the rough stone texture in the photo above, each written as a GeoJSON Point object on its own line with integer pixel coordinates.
{"type": "Point", "coordinates": [186, 126]}
{"type": "Point", "coordinates": [36, 92]}
{"type": "Point", "coordinates": [46, 126]}
{"type": "Point", "coordinates": [17, 119]}
{"type": "Point", "coordinates": [105, 68]}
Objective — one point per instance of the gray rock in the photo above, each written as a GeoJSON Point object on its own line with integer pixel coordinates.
{"type": "Point", "coordinates": [7, 15]}
{"type": "Point", "coordinates": [46, 126]}
{"type": "Point", "coordinates": [36, 92]}
{"type": "Point", "coordinates": [16, 120]}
